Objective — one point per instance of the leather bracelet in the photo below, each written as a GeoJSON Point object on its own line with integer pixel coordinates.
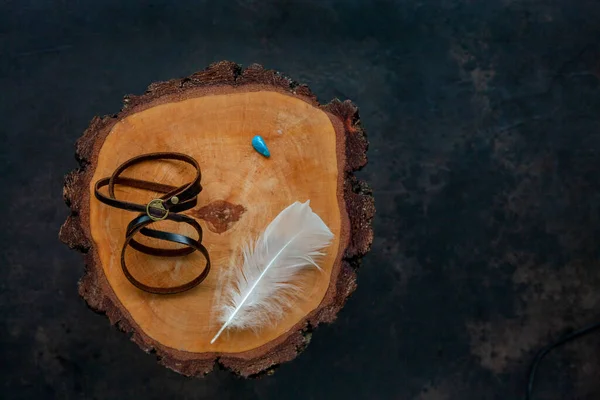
{"type": "Point", "coordinates": [166, 207]}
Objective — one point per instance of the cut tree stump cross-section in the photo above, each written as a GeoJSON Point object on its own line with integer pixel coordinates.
{"type": "Point", "coordinates": [213, 116]}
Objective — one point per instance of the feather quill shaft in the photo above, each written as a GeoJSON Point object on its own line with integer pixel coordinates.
{"type": "Point", "coordinates": [263, 289]}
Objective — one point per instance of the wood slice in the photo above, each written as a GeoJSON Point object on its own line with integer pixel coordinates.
{"type": "Point", "coordinates": [212, 116]}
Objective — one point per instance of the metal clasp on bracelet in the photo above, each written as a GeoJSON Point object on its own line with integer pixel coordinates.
{"type": "Point", "coordinates": [157, 204]}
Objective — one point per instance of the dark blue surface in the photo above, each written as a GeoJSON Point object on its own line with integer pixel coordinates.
{"type": "Point", "coordinates": [484, 123]}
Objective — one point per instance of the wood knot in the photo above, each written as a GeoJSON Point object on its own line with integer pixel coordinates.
{"type": "Point", "coordinates": [220, 215]}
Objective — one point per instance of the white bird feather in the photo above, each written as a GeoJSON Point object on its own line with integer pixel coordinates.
{"type": "Point", "coordinates": [266, 286]}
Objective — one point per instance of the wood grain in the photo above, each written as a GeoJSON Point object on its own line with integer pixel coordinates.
{"type": "Point", "coordinates": [213, 116]}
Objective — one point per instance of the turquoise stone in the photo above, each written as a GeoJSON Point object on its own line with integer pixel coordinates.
{"type": "Point", "coordinates": [259, 145]}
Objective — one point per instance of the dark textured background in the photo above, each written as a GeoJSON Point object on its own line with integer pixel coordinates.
{"type": "Point", "coordinates": [484, 123]}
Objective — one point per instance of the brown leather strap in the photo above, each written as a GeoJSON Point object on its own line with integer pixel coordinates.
{"type": "Point", "coordinates": [166, 207]}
